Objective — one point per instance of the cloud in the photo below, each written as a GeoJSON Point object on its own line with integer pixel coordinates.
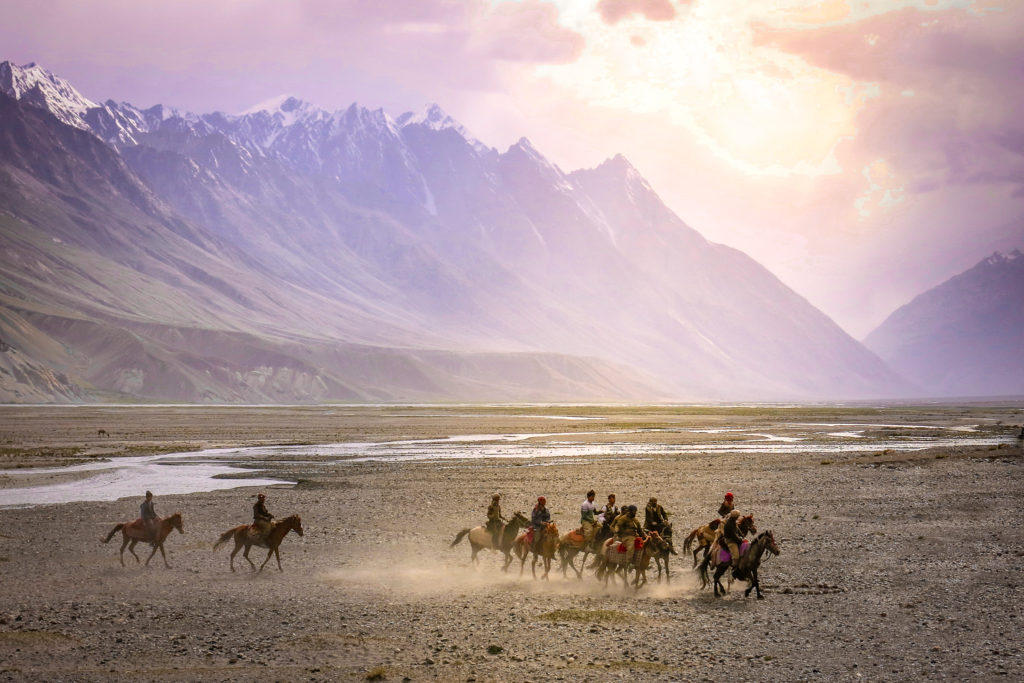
{"type": "Point", "coordinates": [949, 101]}
{"type": "Point", "coordinates": [614, 11]}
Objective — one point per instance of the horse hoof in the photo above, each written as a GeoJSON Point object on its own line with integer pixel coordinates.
{"type": "Point", "coordinates": [760, 597]}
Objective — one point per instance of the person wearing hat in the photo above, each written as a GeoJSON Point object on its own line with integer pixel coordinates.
{"type": "Point", "coordinates": [655, 516]}
{"type": "Point", "coordinates": [732, 538]}
{"type": "Point", "coordinates": [494, 519]}
{"type": "Point", "coordinates": [538, 519]}
{"type": "Point", "coordinates": [727, 505]}
{"type": "Point", "coordinates": [148, 514]}
{"type": "Point", "coordinates": [261, 517]}
{"type": "Point", "coordinates": [626, 528]}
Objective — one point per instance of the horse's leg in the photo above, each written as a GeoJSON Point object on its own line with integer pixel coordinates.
{"type": "Point", "coordinates": [131, 549]}
{"type": "Point", "coordinates": [277, 554]}
{"type": "Point", "coordinates": [270, 553]}
{"type": "Point", "coordinates": [238, 546]}
{"type": "Point", "coordinates": [163, 555]}
{"type": "Point", "coordinates": [719, 570]}
{"type": "Point", "coordinates": [245, 554]}
{"type": "Point", "coordinates": [123, 544]}
{"type": "Point", "coordinates": [533, 566]}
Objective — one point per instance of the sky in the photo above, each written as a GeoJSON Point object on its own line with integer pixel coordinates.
{"type": "Point", "coordinates": [862, 150]}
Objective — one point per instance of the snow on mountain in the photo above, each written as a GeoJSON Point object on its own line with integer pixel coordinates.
{"type": "Point", "coordinates": [43, 89]}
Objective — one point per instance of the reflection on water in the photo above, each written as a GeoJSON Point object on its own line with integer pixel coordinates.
{"type": "Point", "coordinates": [203, 471]}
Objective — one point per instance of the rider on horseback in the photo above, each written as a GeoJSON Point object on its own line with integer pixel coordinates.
{"type": "Point", "coordinates": [148, 514]}
{"type": "Point", "coordinates": [732, 537]}
{"type": "Point", "coordinates": [627, 529]}
{"type": "Point", "coordinates": [538, 519]}
{"type": "Point", "coordinates": [727, 505]}
{"type": "Point", "coordinates": [609, 511]}
{"type": "Point", "coordinates": [495, 520]}
{"type": "Point", "coordinates": [655, 516]}
{"type": "Point", "coordinates": [588, 517]}
{"type": "Point", "coordinates": [260, 518]}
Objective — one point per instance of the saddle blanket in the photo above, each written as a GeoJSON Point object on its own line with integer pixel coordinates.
{"type": "Point", "coordinates": [724, 556]}
{"type": "Point", "coordinates": [576, 537]}
{"type": "Point", "coordinates": [638, 543]}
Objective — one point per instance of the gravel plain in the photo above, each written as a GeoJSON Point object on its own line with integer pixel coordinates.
{"type": "Point", "coordinates": [894, 565]}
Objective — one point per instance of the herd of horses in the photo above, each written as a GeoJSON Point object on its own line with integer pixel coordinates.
{"type": "Point", "coordinates": [133, 533]}
{"type": "Point", "coordinates": [611, 559]}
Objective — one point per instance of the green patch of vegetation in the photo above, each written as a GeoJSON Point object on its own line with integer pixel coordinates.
{"type": "Point", "coordinates": [635, 665]}
{"type": "Point", "coordinates": [589, 615]}
{"type": "Point", "coordinates": [495, 649]}
{"type": "Point", "coordinates": [940, 456]}
{"type": "Point", "coordinates": [826, 462]}
{"type": "Point", "coordinates": [32, 637]}
{"type": "Point", "coordinates": [377, 673]}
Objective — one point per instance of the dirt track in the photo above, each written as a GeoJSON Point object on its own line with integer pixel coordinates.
{"type": "Point", "coordinates": [893, 566]}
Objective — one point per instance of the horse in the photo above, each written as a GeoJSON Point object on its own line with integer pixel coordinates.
{"type": "Point", "coordinates": [745, 569]}
{"type": "Point", "coordinates": [572, 544]}
{"type": "Point", "coordinates": [133, 532]}
{"type": "Point", "coordinates": [548, 544]}
{"type": "Point", "coordinates": [278, 530]}
{"type": "Point", "coordinates": [612, 561]}
{"type": "Point", "coordinates": [661, 556]}
{"type": "Point", "coordinates": [655, 546]}
{"type": "Point", "coordinates": [480, 538]}
{"type": "Point", "coordinates": [708, 534]}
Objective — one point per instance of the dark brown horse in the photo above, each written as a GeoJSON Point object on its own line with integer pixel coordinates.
{"type": "Point", "coordinates": [133, 532]}
{"type": "Point", "coordinates": [278, 530]}
{"type": "Point", "coordinates": [744, 570]}
{"type": "Point", "coordinates": [480, 538]}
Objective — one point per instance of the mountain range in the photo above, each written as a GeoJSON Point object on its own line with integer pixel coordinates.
{"type": "Point", "coordinates": [292, 254]}
{"type": "Point", "coordinates": [964, 337]}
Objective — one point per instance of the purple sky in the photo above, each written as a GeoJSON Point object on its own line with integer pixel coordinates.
{"type": "Point", "coordinates": [862, 151]}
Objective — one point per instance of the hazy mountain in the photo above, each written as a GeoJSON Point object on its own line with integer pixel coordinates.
{"type": "Point", "coordinates": [294, 242]}
{"type": "Point", "coordinates": [964, 337]}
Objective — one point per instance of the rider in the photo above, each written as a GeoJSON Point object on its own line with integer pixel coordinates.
{"type": "Point", "coordinates": [655, 516]}
{"type": "Point", "coordinates": [608, 512]}
{"type": "Point", "coordinates": [627, 528]}
{"type": "Point", "coordinates": [732, 537]}
{"type": "Point", "coordinates": [588, 517]}
{"type": "Point", "coordinates": [494, 519]}
{"type": "Point", "coordinates": [261, 517]}
{"type": "Point", "coordinates": [727, 505]}
{"type": "Point", "coordinates": [148, 514]}
{"type": "Point", "coordinates": [538, 518]}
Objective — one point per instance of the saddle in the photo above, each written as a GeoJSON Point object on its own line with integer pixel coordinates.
{"type": "Point", "coordinates": [576, 537]}
{"type": "Point", "coordinates": [725, 557]}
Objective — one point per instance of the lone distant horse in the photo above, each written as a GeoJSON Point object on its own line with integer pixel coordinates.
{"type": "Point", "coordinates": [133, 532]}
{"type": "Point", "coordinates": [278, 530]}
{"type": "Point", "coordinates": [480, 538]}
{"type": "Point", "coordinates": [544, 549]}
{"type": "Point", "coordinates": [744, 570]}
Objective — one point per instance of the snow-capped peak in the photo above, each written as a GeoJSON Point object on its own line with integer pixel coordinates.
{"type": "Point", "coordinates": [38, 87]}
{"type": "Point", "coordinates": [436, 118]}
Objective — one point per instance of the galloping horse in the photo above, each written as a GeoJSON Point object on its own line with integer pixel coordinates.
{"type": "Point", "coordinates": [278, 531]}
{"type": "Point", "coordinates": [133, 532]}
{"type": "Point", "coordinates": [480, 538]}
{"type": "Point", "coordinates": [661, 554]}
{"type": "Point", "coordinates": [655, 546]}
{"type": "Point", "coordinates": [704, 536]}
{"type": "Point", "coordinates": [572, 544]}
{"type": "Point", "coordinates": [611, 560]}
{"type": "Point", "coordinates": [708, 534]}
{"type": "Point", "coordinates": [745, 569]}
{"type": "Point", "coordinates": [548, 544]}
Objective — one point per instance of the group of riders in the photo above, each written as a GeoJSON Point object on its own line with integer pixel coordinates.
{"type": "Point", "coordinates": [258, 530]}
{"type": "Point", "coordinates": [598, 524]}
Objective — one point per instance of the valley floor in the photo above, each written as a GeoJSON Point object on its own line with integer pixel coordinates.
{"type": "Point", "coordinates": [894, 565]}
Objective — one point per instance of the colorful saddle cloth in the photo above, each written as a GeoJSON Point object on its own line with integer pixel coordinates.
{"type": "Point", "coordinates": [724, 556]}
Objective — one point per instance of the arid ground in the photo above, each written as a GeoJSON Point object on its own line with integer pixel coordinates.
{"type": "Point", "coordinates": [895, 564]}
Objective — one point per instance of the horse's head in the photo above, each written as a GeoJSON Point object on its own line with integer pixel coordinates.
{"type": "Point", "coordinates": [747, 525]}
{"type": "Point", "coordinates": [294, 524]}
{"type": "Point", "coordinates": [771, 546]}
{"type": "Point", "coordinates": [520, 519]}
{"type": "Point", "coordinates": [550, 529]}
{"type": "Point", "coordinates": [176, 523]}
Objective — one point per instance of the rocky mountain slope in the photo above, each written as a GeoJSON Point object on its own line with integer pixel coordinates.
{"type": "Point", "coordinates": [964, 337]}
{"type": "Point", "coordinates": [349, 255]}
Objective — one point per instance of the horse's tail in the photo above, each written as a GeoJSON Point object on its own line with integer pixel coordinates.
{"type": "Point", "coordinates": [112, 532]}
{"type": "Point", "coordinates": [702, 571]}
{"type": "Point", "coordinates": [459, 536]}
{"type": "Point", "coordinates": [688, 542]}
{"type": "Point", "coordinates": [224, 538]}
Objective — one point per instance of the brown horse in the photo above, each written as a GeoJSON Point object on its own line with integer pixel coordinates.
{"type": "Point", "coordinates": [655, 546]}
{"type": "Point", "coordinates": [278, 530]}
{"type": "Point", "coordinates": [480, 538]}
{"type": "Point", "coordinates": [706, 535]}
{"type": "Point", "coordinates": [572, 544]}
{"type": "Point", "coordinates": [544, 548]}
{"type": "Point", "coordinates": [744, 570]}
{"type": "Point", "coordinates": [133, 532]}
